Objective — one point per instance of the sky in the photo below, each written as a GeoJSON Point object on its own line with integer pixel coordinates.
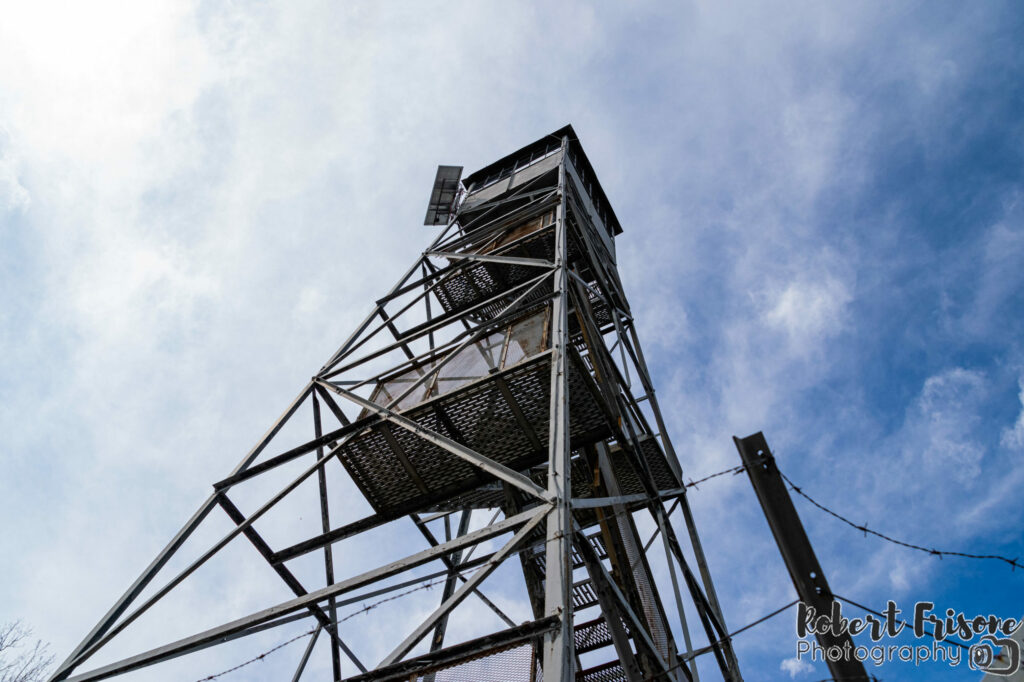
{"type": "Point", "coordinates": [823, 213]}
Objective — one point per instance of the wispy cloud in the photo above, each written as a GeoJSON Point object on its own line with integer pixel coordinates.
{"type": "Point", "coordinates": [795, 666]}
{"type": "Point", "coordinates": [823, 237]}
{"type": "Point", "coordinates": [1012, 437]}
{"type": "Point", "coordinates": [13, 195]}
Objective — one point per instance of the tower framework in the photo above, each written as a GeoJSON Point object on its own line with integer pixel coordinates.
{"type": "Point", "coordinates": [500, 378]}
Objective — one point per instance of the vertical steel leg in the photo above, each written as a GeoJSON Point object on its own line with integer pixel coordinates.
{"type": "Point", "coordinates": [325, 519]}
{"type": "Point", "coordinates": [559, 658]}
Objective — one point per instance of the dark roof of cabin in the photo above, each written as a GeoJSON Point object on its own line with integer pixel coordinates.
{"type": "Point", "coordinates": [576, 151]}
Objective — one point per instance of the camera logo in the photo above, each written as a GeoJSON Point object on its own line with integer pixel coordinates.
{"type": "Point", "coordinates": [996, 656]}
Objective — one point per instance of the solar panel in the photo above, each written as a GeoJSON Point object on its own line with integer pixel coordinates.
{"type": "Point", "coordinates": [442, 196]}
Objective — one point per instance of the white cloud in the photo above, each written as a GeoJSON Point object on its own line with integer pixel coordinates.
{"type": "Point", "coordinates": [999, 277]}
{"type": "Point", "coordinates": [13, 195]}
{"type": "Point", "coordinates": [1012, 437]}
{"type": "Point", "coordinates": [85, 83]}
{"type": "Point", "coordinates": [812, 127]}
{"type": "Point", "coordinates": [809, 311]}
{"type": "Point", "coordinates": [795, 666]}
{"type": "Point", "coordinates": [943, 422]}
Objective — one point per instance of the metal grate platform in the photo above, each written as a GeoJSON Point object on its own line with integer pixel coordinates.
{"type": "Point", "coordinates": [607, 672]}
{"type": "Point", "coordinates": [594, 635]}
{"type": "Point", "coordinates": [583, 595]}
{"type": "Point", "coordinates": [629, 481]}
{"type": "Point", "coordinates": [394, 467]}
{"type": "Point", "coordinates": [465, 288]}
{"type": "Point", "coordinates": [476, 283]}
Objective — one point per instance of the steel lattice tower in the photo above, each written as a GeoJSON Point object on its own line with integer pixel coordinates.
{"type": "Point", "coordinates": [502, 372]}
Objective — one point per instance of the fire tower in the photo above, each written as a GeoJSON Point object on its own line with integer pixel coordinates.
{"type": "Point", "coordinates": [497, 397]}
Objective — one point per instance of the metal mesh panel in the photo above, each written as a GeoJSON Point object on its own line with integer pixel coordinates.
{"type": "Point", "coordinates": [478, 416]}
{"type": "Point", "coordinates": [501, 349]}
{"type": "Point", "coordinates": [509, 665]}
{"type": "Point", "coordinates": [648, 597]}
{"type": "Point", "coordinates": [626, 475]}
{"type": "Point", "coordinates": [608, 672]}
{"type": "Point", "coordinates": [475, 283]}
{"type": "Point", "coordinates": [592, 635]}
{"type": "Point", "coordinates": [583, 594]}
{"type": "Point", "coordinates": [465, 288]}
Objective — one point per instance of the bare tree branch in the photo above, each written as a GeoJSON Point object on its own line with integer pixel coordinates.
{"type": "Point", "coordinates": [21, 661]}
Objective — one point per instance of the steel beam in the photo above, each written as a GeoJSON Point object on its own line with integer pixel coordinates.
{"type": "Point", "coordinates": [489, 258]}
{"type": "Point", "coordinates": [369, 318]}
{"type": "Point", "coordinates": [235, 627]}
{"type": "Point", "coordinates": [463, 591]}
{"type": "Point", "coordinates": [79, 654]}
{"type": "Point", "coordinates": [633, 345]}
{"type": "Point", "coordinates": [305, 656]}
{"type": "Point", "coordinates": [633, 573]}
{"type": "Point", "coordinates": [440, 322]}
{"type": "Point", "coordinates": [291, 581]}
{"type": "Point", "coordinates": [414, 668]}
{"type": "Point", "coordinates": [206, 556]}
{"type": "Point", "coordinates": [452, 562]}
{"type": "Point", "coordinates": [804, 569]}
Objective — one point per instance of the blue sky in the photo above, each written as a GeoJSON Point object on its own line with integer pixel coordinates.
{"type": "Point", "coordinates": [823, 220]}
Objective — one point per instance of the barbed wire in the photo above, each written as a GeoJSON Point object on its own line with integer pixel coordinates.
{"type": "Point", "coordinates": [926, 631]}
{"type": "Point", "coordinates": [710, 647]}
{"type": "Point", "coordinates": [731, 470]}
{"type": "Point", "coordinates": [364, 609]}
{"type": "Point", "coordinates": [703, 650]}
{"type": "Point", "coordinates": [1014, 562]}
{"type": "Point", "coordinates": [261, 656]}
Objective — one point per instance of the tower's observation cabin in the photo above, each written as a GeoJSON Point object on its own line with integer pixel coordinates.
{"type": "Point", "coordinates": [492, 395]}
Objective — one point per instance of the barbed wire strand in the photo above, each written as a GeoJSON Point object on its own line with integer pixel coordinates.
{"type": "Point", "coordinates": [1014, 562]}
{"type": "Point", "coordinates": [898, 620]}
{"type": "Point", "coordinates": [703, 650]}
{"type": "Point", "coordinates": [683, 660]}
{"type": "Point", "coordinates": [357, 612]}
{"type": "Point", "coordinates": [731, 470]}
